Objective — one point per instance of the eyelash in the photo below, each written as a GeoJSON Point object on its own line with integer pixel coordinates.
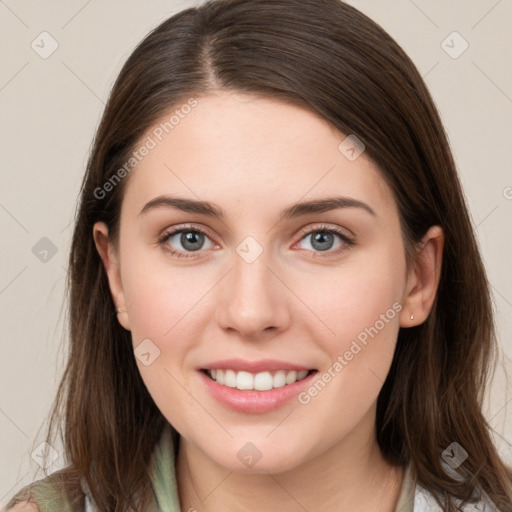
{"type": "Point", "coordinates": [347, 242]}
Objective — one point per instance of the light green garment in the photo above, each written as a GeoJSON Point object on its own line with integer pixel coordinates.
{"type": "Point", "coordinates": [47, 497]}
{"type": "Point", "coordinates": [405, 501]}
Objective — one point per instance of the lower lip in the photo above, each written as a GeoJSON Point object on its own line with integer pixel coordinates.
{"type": "Point", "coordinates": [251, 401]}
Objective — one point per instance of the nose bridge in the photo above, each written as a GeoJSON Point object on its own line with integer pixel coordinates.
{"type": "Point", "coordinates": [250, 273]}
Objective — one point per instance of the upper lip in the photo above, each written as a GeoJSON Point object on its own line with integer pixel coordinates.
{"type": "Point", "coordinates": [254, 366]}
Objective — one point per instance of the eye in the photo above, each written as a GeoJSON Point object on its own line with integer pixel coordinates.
{"type": "Point", "coordinates": [322, 238]}
{"type": "Point", "coordinates": [190, 239]}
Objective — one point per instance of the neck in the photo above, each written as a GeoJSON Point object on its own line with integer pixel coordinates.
{"type": "Point", "coordinates": [351, 475]}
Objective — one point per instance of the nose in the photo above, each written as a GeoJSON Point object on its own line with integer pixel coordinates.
{"type": "Point", "coordinates": [254, 299]}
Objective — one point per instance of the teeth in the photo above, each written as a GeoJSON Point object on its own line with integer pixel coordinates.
{"type": "Point", "coordinates": [262, 381]}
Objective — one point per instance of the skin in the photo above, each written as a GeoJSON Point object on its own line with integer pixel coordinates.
{"type": "Point", "coordinates": [254, 157]}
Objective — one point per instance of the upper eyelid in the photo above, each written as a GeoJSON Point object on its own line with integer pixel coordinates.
{"type": "Point", "coordinates": [303, 232]}
{"type": "Point", "coordinates": [174, 231]}
{"type": "Point", "coordinates": [325, 227]}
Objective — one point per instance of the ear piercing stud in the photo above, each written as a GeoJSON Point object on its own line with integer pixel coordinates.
{"type": "Point", "coordinates": [119, 310]}
{"type": "Point", "coordinates": [412, 317]}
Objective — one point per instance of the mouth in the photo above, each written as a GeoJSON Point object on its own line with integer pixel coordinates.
{"type": "Point", "coordinates": [261, 381]}
{"type": "Point", "coordinates": [254, 386]}
{"type": "Point", "coordinates": [249, 392]}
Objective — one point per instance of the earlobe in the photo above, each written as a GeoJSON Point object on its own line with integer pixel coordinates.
{"type": "Point", "coordinates": [423, 279]}
{"type": "Point", "coordinates": [110, 260]}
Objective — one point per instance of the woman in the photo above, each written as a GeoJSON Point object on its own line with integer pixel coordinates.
{"type": "Point", "coordinates": [277, 300]}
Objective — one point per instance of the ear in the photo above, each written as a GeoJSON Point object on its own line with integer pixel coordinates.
{"type": "Point", "coordinates": [423, 279]}
{"type": "Point", "coordinates": [110, 260]}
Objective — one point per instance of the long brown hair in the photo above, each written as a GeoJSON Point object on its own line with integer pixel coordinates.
{"type": "Point", "coordinates": [328, 57]}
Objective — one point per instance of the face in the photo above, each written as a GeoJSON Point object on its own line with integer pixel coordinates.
{"type": "Point", "coordinates": [266, 292]}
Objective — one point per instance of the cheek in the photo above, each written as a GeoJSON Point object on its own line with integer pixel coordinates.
{"type": "Point", "coordinates": [359, 308]}
{"type": "Point", "coordinates": [169, 308]}
{"type": "Point", "coordinates": [164, 324]}
{"type": "Point", "coordinates": [361, 305]}
{"type": "Point", "coordinates": [354, 298]}
{"type": "Point", "coordinates": [367, 308]}
{"type": "Point", "coordinates": [160, 296]}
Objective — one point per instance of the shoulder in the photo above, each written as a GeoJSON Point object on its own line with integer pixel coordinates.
{"type": "Point", "coordinates": [57, 491]}
{"type": "Point", "coordinates": [424, 501]}
{"type": "Point", "coordinates": [24, 507]}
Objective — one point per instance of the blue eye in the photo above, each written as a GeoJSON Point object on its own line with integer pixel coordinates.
{"type": "Point", "coordinates": [192, 240]}
{"type": "Point", "coordinates": [322, 239]}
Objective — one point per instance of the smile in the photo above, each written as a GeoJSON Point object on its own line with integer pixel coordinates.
{"type": "Point", "coordinates": [262, 381]}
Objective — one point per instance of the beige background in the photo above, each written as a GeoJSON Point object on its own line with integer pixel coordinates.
{"type": "Point", "coordinates": [50, 109]}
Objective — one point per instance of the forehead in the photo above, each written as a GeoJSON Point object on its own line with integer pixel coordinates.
{"type": "Point", "coordinates": [236, 149]}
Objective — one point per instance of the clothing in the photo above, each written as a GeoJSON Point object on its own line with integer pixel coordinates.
{"type": "Point", "coordinates": [44, 492]}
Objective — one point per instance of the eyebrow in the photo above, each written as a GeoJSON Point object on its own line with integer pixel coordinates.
{"type": "Point", "coordinates": [295, 210]}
